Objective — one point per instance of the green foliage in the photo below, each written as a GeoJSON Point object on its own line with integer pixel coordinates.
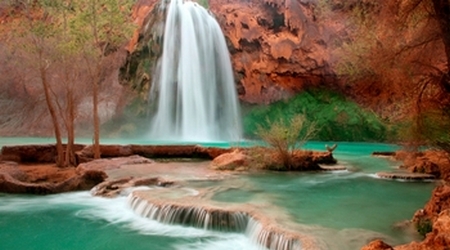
{"type": "Point", "coordinates": [335, 118]}
{"type": "Point", "coordinates": [204, 3]}
{"type": "Point", "coordinates": [429, 127]}
{"type": "Point", "coordinates": [91, 25]}
{"type": "Point", "coordinates": [285, 135]}
{"type": "Point", "coordinates": [424, 226]}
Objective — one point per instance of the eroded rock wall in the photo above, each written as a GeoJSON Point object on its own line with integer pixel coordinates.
{"type": "Point", "coordinates": [277, 48]}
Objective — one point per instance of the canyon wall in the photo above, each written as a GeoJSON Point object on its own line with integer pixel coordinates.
{"type": "Point", "coordinates": [278, 48]}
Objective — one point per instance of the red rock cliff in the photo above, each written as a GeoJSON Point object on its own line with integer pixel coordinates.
{"type": "Point", "coordinates": [277, 47]}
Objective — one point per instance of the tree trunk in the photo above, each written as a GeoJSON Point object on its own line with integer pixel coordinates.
{"type": "Point", "coordinates": [96, 146]}
{"type": "Point", "coordinates": [70, 155]}
{"type": "Point", "coordinates": [59, 146]}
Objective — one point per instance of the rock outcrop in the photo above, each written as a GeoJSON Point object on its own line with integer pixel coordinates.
{"type": "Point", "coordinates": [271, 159]}
{"type": "Point", "coordinates": [46, 179]}
{"type": "Point", "coordinates": [436, 163]}
{"type": "Point", "coordinates": [84, 153]}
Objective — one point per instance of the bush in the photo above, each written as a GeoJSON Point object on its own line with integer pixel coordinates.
{"type": "Point", "coordinates": [424, 226]}
{"type": "Point", "coordinates": [285, 135]}
{"type": "Point", "coordinates": [335, 118]}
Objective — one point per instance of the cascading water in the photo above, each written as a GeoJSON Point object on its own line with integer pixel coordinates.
{"type": "Point", "coordinates": [210, 217]}
{"type": "Point", "coordinates": [194, 90]}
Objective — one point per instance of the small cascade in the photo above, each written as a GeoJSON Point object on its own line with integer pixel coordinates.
{"type": "Point", "coordinates": [260, 230]}
{"type": "Point", "coordinates": [270, 237]}
{"type": "Point", "coordinates": [193, 89]}
{"type": "Point", "coordinates": [200, 217]}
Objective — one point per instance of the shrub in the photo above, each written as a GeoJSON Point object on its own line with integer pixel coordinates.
{"type": "Point", "coordinates": [285, 135]}
{"type": "Point", "coordinates": [335, 117]}
{"type": "Point", "coordinates": [424, 226]}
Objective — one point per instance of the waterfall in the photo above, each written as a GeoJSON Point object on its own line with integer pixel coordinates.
{"type": "Point", "coordinates": [200, 217]}
{"type": "Point", "coordinates": [255, 226]}
{"type": "Point", "coordinates": [193, 89]}
{"type": "Point", "coordinates": [271, 239]}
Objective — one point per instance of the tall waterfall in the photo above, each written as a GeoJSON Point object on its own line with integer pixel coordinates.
{"type": "Point", "coordinates": [194, 89]}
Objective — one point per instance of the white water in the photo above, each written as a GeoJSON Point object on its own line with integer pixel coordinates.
{"type": "Point", "coordinates": [197, 216]}
{"type": "Point", "coordinates": [194, 88]}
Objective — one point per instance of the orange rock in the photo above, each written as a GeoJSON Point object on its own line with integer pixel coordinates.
{"type": "Point", "coordinates": [230, 161]}
{"type": "Point", "coordinates": [377, 245]}
{"type": "Point", "coordinates": [277, 48]}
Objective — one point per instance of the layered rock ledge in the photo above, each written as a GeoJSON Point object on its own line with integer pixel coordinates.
{"type": "Point", "coordinates": [31, 168]}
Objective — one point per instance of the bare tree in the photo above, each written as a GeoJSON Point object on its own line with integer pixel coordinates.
{"type": "Point", "coordinates": [67, 43]}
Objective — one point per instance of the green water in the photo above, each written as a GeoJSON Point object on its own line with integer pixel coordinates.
{"type": "Point", "coordinates": [345, 208]}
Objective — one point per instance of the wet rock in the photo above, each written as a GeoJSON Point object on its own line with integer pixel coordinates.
{"type": "Point", "coordinates": [113, 188]}
{"type": "Point", "coordinates": [405, 176]}
{"type": "Point", "coordinates": [377, 245]}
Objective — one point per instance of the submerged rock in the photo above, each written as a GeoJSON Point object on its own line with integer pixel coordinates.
{"type": "Point", "coordinates": [115, 187]}
{"type": "Point", "coordinates": [405, 176]}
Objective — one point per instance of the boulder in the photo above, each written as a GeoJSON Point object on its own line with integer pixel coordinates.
{"type": "Point", "coordinates": [230, 161]}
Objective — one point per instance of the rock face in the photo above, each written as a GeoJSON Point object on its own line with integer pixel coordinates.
{"type": "Point", "coordinates": [277, 47]}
